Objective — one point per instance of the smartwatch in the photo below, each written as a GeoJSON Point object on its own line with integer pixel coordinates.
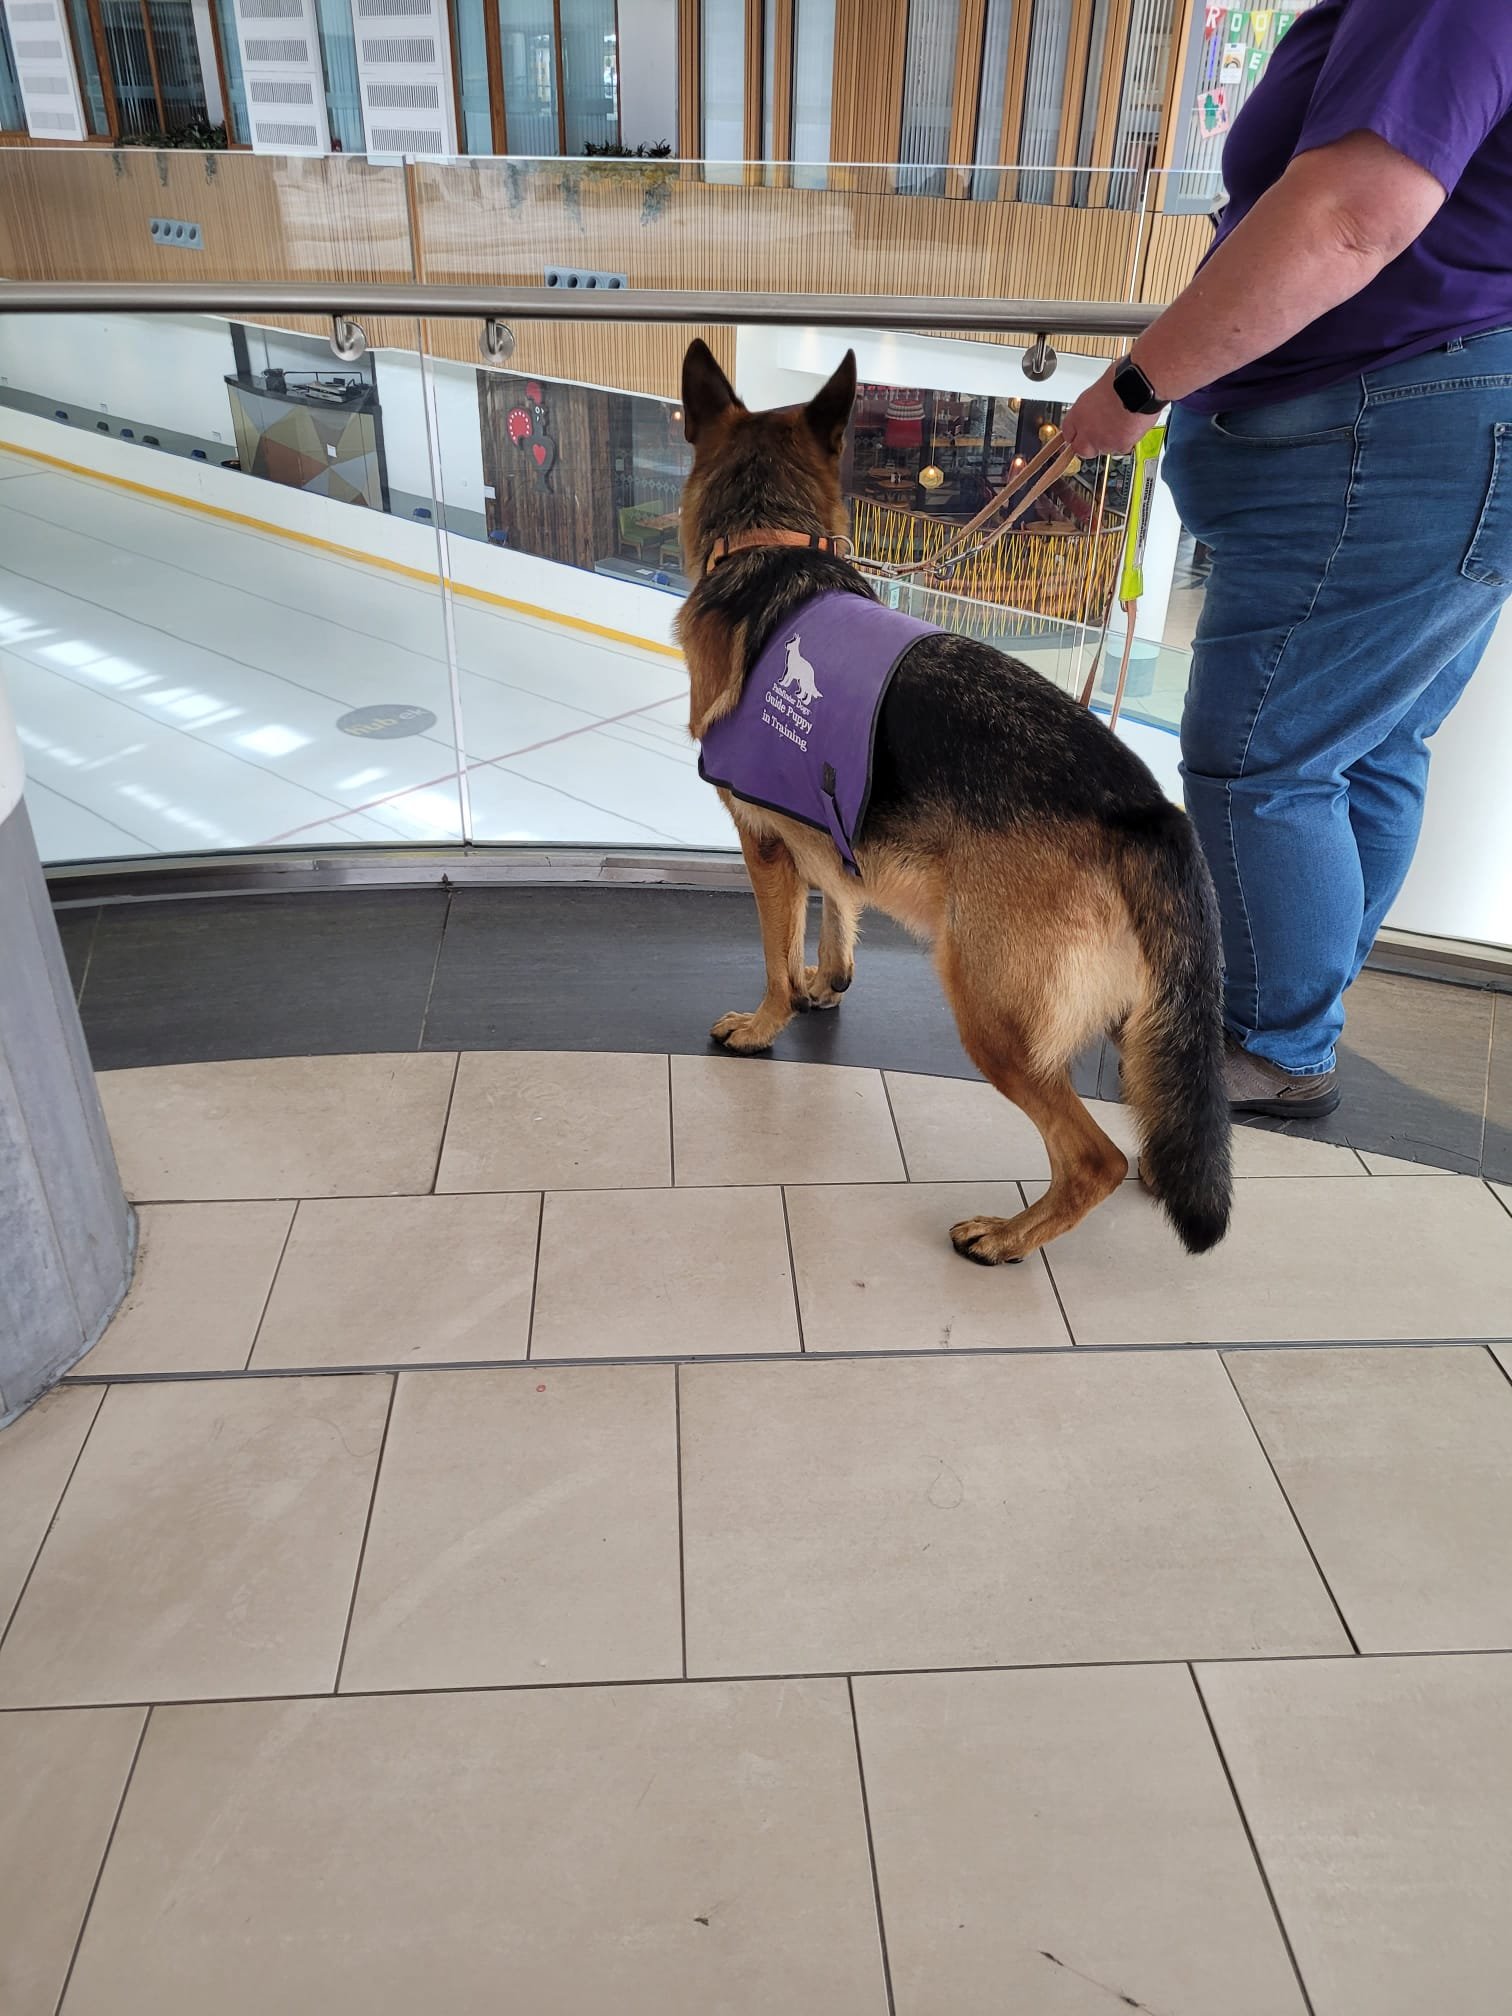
{"type": "Point", "coordinates": [1134, 390]}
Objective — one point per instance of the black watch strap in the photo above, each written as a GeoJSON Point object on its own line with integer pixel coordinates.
{"type": "Point", "coordinates": [1135, 392]}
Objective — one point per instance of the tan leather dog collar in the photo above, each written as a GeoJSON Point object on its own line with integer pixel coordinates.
{"type": "Point", "coordinates": [837, 543]}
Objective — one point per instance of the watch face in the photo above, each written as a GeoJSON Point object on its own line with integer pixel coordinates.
{"type": "Point", "coordinates": [1134, 389]}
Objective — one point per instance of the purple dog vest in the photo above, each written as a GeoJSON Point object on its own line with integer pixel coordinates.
{"type": "Point", "coordinates": [799, 741]}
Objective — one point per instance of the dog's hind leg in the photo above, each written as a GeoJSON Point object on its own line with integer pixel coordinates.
{"type": "Point", "coordinates": [1008, 1048]}
{"type": "Point", "coordinates": [782, 906]}
{"type": "Point", "coordinates": [826, 982]}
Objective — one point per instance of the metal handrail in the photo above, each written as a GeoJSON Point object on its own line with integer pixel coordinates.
{"type": "Point", "coordinates": [342, 298]}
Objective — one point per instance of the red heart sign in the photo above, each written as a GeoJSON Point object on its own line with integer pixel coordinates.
{"type": "Point", "coordinates": [538, 449]}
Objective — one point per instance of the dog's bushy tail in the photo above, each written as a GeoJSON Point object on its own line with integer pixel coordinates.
{"type": "Point", "coordinates": [1173, 1042]}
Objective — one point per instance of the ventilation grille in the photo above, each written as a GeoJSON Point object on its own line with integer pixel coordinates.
{"type": "Point", "coordinates": [271, 10]}
{"type": "Point", "coordinates": [411, 97]}
{"type": "Point", "coordinates": [400, 49]}
{"type": "Point", "coordinates": [47, 87]}
{"type": "Point", "coordinates": [49, 122]}
{"type": "Point", "coordinates": [268, 91]}
{"type": "Point", "coordinates": [38, 52]}
{"type": "Point", "coordinates": [32, 10]}
{"type": "Point", "coordinates": [294, 50]}
{"type": "Point", "coordinates": [276, 133]}
{"type": "Point", "coordinates": [370, 8]}
{"type": "Point", "coordinates": [405, 140]}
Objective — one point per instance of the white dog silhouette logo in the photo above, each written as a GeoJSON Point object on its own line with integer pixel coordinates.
{"type": "Point", "coordinates": [799, 672]}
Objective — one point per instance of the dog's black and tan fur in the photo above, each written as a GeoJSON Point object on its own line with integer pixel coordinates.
{"type": "Point", "coordinates": [1063, 894]}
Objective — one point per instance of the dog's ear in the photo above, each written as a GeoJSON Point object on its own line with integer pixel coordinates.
{"type": "Point", "coordinates": [828, 412]}
{"type": "Point", "coordinates": [706, 392]}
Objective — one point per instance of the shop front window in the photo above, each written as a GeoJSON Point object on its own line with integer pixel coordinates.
{"type": "Point", "coordinates": [590, 74]}
{"type": "Point", "coordinates": [12, 112]}
{"type": "Point", "coordinates": [528, 36]}
{"type": "Point", "coordinates": [237, 128]}
{"type": "Point", "coordinates": [338, 53]}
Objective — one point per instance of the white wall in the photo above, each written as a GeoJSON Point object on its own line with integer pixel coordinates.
{"type": "Point", "coordinates": [459, 438]}
{"type": "Point", "coordinates": [165, 368]}
{"type": "Point", "coordinates": [648, 72]}
{"type": "Point", "coordinates": [773, 367]}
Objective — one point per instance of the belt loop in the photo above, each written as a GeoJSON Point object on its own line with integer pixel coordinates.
{"type": "Point", "coordinates": [1454, 345]}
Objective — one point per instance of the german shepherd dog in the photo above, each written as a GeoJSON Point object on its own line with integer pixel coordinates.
{"type": "Point", "coordinates": [1064, 896]}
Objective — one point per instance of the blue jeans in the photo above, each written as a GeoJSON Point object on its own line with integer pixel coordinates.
{"type": "Point", "coordinates": [1362, 548]}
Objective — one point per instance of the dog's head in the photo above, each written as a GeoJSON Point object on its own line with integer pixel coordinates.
{"type": "Point", "coordinates": [772, 471]}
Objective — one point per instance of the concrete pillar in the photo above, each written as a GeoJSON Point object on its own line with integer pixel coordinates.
{"type": "Point", "coordinates": [66, 1230]}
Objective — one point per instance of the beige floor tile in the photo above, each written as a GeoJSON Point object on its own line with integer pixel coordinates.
{"type": "Point", "coordinates": [1395, 1165]}
{"type": "Point", "coordinates": [36, 1454]}
{"type": "Point", "coordinates": [202, 1279]}
{"type": "Point", "coordinates": [524, 1530]}
{"type": "Point", "coordinates": [927, 1512]}
{"type": "Point", "coordinates": [653, 1273]}
{"type": "Point", "coordinates": [1398, 1463]}
{"type": "Point", "coordinates": [63, 1774]}
{"type": "Point", "coordinates": [1063, 1840]}
{"type": "Point", "coordinates": [279, 1126]}
{"type": "Point", "coordinates": [403, 1281]}
{"type": "Point", "coordinates": [1261, 1151]}
{"type": "Point", "coordinates": [957, 1130]}
{"type": "Point", "coordinates": [1304, 1259]}
{"type": "Point", "coordinates": [746, 1120]}
{"type": "Point", "coordinates": [877, 1271]}
{"type": "Point", "coordinates": [1379, 1792]}
{"type": "Point", "coordinates": [1503, 1355]}
{"type": "Point", "coordinates": [654, 1851]}
{"type": "Point", "coordinates": [207, 1545]}
{"type": "Point", "coordinates": [542, 1120]}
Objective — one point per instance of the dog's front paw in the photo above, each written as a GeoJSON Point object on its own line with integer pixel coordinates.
{"type": "Point", "coordinates": [745, 1034]}
{"type": "Point", "coordinates": [991, 1242]}
{"type": "Point", "coordinates": [823, 990]}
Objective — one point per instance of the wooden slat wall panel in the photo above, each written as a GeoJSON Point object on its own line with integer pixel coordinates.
{"type": "Point", "coordinates": [867, 115]}
{"type": "Point", "coordinates": [689, 82]}
{"type": "Point", "coordinates": [77, 215]}
{"type": "Point", "coordinates": [782, 80]}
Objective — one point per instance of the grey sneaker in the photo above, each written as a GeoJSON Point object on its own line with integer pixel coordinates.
{"type": "Point", "coordinates": [1255, 1085]}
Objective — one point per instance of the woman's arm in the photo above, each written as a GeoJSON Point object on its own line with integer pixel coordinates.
{"type": "Point", "coordinates": [1337, 216]}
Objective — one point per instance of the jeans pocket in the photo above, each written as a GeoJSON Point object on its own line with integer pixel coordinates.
{"type": "Point", "coordinates": [1313, 418]}
{"type": "Point", "coordinates": [1489, 559]}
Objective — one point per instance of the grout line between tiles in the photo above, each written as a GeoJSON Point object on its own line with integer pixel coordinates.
{"type": "Point", "coordinates": [262, 1314]}
{"type": "Point", "coordinates": [430, 990]}
{"type": "Point", "coordinates": [367, 1527]}
{"type": "Point", "coordinates": [682, 1569]}
{"type": "Point", "coordinates": [762, 1679]}
{"type": "Point", "coordinates": [15, 1609]}
{"type": "Point", "coordinates": [1249, 1836]}
{"type": "Point", "coordinates": [711, 1358]}
{"type": "Point", "coordinates": [787, 1226]}
{"type": "Point", "coordinates": [1044, 1255]}
{"type": "Point", "coordinates": [1504, 1370]}
{"type": "Point", "coordinates": [94, 1888]}
{"type": "Point", "coordinates": [1286, 1497]}
{"type": "Point", "coordinates": [871, 1849]}
{"type": "Point", "coordinates": [671, 1129]}
{"type": "Point", "coordinates": [897, 1130]}
{"type": "Point", "coordinates": [451, 1093]}
{"type": "Point", "coordinates": [535, 1280]}
{"type": "Point", "coordinates": [1504, 1202]}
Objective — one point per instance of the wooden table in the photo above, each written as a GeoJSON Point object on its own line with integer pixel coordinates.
{"type": "Point", "coordinates": [665, 523]}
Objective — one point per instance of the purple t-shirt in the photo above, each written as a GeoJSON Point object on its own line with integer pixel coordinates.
{"type": "Point", "coordinates": [1434, 79]}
